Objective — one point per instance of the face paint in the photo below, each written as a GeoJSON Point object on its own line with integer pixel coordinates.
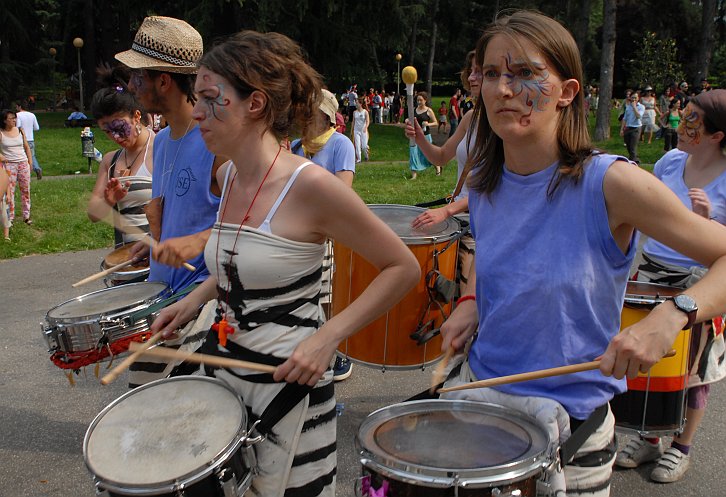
{"type": "Point", "coordinates": [119, 129]}
{"type": "Point", "coordinates": [214, 103]}
{"type": "Point", "coordinates": [137, 80]}
{"type": "Point", "coordinates": [691, 126]}
{"type": "Point", "coordinates": [532, 87]}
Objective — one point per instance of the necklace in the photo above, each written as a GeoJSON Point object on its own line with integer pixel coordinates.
{"type": "Point", "coordinates": [222, 327]}
{"type": "Point", "coordinates": [127, 171]}
{"type": "Point", "coordinates": [168, 169]}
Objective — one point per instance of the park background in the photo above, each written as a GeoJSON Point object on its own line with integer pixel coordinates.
{"type": "Point", "coordinates": [49, 49]}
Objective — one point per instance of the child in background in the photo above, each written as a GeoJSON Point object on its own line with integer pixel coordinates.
{"type": "Point", "coordinates": [443, 112]}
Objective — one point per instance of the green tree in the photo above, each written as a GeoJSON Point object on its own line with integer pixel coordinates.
{"type": "Point", "coordinates": [655, 62]}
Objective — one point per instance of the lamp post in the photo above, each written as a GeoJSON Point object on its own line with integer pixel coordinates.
{"type": "Point", "coordinates": [78, 43]}
{"type": "Point", "coordinates": [398, 73]}
{"type": "Point", "coordinates": [52, 51]}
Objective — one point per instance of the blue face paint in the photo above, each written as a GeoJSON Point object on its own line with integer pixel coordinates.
{"type": "Point", "coordinates": [529, 81]}
{"type": "Point", "coordinates": [214, 103]}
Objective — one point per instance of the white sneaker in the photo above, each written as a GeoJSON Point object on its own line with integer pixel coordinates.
{"type": "Point", "coordinates": [637, 452]}
{"type": "Point", "coordinates": [672, 466]}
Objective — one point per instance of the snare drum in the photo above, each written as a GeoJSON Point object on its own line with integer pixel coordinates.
{"type": "Point", "coordinates": [655, 401]}
{"type": "Point", "coordinates": [386, 341]}
{"type": "Point", "coordinates": [440, 448]}
{"type": "Point", "coordinates": [98, 325]}
{"type": "Point", "coordinates": [180, 436]}
{"type": "Point", "coordinates": [130, 274]}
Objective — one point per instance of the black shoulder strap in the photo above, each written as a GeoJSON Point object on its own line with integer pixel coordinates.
{"type": "Point", "coordinates": [581, 433]}
{"type": "Point", "coordinates": [114, 159]}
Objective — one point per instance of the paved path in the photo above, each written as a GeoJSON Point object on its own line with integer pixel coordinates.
{"type": "Point", "coordinates": [43, 419]}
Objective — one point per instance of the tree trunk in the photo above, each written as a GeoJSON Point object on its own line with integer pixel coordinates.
{"type": "Point", "coordinates": [412, 41]}
{"type": "Point", "coordinates": [432, 50]}
{"type": "Point", "coordinates": [88, 52]}
{"type": "Point", "coordinates": [607, 63]}
{"type": "Point", "coordinates": [581, 25]}
{"type": "Point", "coordinates": [703, 60]}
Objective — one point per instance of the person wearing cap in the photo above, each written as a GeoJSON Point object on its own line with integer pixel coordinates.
{"type": "Point", "coordinates": [649, 116]}
{"type": "Point", "coordinates": [696, 173]}
{"type": "Point", "coordinates": [336, 155]}
{"type": "Point", "coordinates": [185, 194]}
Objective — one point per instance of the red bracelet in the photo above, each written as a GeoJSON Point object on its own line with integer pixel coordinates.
{"type": "Point", "coordinates": [464, 298]}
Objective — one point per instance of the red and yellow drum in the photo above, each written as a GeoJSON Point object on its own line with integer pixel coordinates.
{"type": "Point", "coordinates": [386, 342]}
{"type": "Point", "coordinates": [655, 401]}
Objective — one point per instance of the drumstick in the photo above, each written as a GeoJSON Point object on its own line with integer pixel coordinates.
{"type": "Point", "coordinates": [409, 76]}
{"type": "Point", "coordinates": [532, 375]}
{"type": "Point", "coordinates": [103, 273]}
{"type": "Point", "coordinates": [133, 231]}
{"type": "Point", "coordinates": [123, 365]}
{"type": "Point", "coordinates": [440, 371]}
{"type": "Point", "coordinates": [212, 360]}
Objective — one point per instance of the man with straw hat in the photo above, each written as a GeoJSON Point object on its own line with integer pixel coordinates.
{"type": "Point", "coordinates": [185, 192]}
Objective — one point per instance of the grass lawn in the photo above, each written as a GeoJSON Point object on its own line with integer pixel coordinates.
{"type": "Point", "coordinates": [59, 206]}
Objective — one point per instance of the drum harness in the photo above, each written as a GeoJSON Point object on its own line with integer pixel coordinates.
{"type": "Point", "coordinates": [440, 290]}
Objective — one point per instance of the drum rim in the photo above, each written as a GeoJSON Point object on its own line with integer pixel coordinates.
{"type": "Point", "coordinates": [422, 239]}
{"type": "Point", "coordinates": [120, 310]}
{"type": "Point", "coordinates": [648, 299]}
{"type": "Point", "coordinates": [182, 481]}
{"type": "Point", "coordinates": [472, 478]}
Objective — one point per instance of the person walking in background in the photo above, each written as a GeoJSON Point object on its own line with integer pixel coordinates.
{"type": "Point", "coordinates": [672, 120]}
{"type": "Point", "coordinates": [376, 103]}
{"type": "Point", "coordinates": [123, 183]}
{"type": "Point", "coordinates": [696, 173]}
{"type": "Point", "coordinates": [443, 111]}
{"type": "Point", "coordinates": [352, 99]}
{"type": "Point", "coordinates": [361, 121]}
{"type": "Point", "coordinates": [395, 108]}
{"type": "Point", "coordinates": [29, 124]}
{"type": "Point", "coordinates": [454, 112]}
{"type": "Point", "coordinates": [426, 118]}
{"type": "Point", "coordinates": [15, 156]}
{"type": "Point", "coordinates": [632, 125]}
{"type": "Point", "coordinates": [594, 100]}
{"type": "Point", "coordinates": [651, 114]}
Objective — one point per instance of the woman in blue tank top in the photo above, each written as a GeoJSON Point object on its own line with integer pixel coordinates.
{"type": "Point", "coordinates": [555, 228]}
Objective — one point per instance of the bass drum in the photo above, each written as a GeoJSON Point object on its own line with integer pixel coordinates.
{"type": "Point", "coordinates": [386, 342]}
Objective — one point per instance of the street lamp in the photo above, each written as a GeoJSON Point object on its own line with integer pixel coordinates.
{"type": "Point", "coordinates": [52, 51]}
{"type": "Point", "coordinates": [78, 43]}
{"type": "Point", "coordinates": [398, 73]}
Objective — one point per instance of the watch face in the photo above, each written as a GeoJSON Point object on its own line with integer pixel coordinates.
{"type": "Point", "coordinates": [685, 303]}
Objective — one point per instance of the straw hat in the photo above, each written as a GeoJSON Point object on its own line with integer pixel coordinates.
{"type": "Point", "coordinates": [164, 44]}
{"type": "Point", "coordinates": [329, 105]}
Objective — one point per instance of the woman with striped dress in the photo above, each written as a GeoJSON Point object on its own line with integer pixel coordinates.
{"type": "Point", "coordinates": [265, 256]}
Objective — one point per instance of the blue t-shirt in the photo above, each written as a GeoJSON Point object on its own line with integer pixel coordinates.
{"type": "Point", "coordinates": [182, 175]}
{"type": "Point", "coordinates": [550, 284]}
{"type": "Point", "coordinates": [669, 169]}
{"type": "Point", "coordinates": [336, 155]}
{"type": "Point", "coordinates": [630, 120]}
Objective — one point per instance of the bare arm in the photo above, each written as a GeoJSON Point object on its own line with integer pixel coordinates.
{"type": "Point", "coordinates": [636, 199]}
{"type": "Point", "coordinates": [99, 206]}
{"type": "Point", "coordinates": [435, 216]}
{"type": "Point", "coordinates": [180, 313]}
{"type": "Point", "coordinates": [439, 156]}
{"type": "Point", "coordinates": [464, 321]}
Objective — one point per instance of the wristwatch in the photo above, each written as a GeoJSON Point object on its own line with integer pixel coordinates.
{"type": "Point", "coordinates": [687, 305]}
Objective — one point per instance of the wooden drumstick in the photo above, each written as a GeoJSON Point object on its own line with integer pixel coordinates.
{"type": "Point", "coordinates": [212, 360]}
{"type": "Point", "coordinates": [123, 365]}
{"type": "Point", "coordinates": [103, 273]}
{"type": "Point", "coordinates": [440, 371]}
{"type": "Point", "coordinates": [135, 231]}
{"type": "Point", "coordinates": [532, 375]}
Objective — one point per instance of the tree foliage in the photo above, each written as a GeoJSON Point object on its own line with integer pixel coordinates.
{"type": "Point", "coordinates": [655, 62]}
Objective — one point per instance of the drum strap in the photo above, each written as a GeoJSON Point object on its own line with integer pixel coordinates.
{"type": "Point", "coordinates": [433, 203]}
{"type": "Point", "coordinates": [581, 431]}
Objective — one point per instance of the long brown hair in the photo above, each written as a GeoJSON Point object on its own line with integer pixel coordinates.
{"type": "Point", "coordinates": [273, 64]}
{"type": "Point", "coordinates": [573, 138]}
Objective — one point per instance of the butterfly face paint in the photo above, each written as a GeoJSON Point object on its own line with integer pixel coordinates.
{"type": "Point", "coordinates": [528, 80]}
{"type": "Point", "coordinates": [118, 129]}
{"type": "Point", "coordinates": [690, 128]}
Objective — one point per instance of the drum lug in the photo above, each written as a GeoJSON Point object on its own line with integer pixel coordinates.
{"type": "Point", "coordinates": [227, 482]}
{"type": "Point", "coordinates": [514, 493]}
{"type": "Point", "coordinates": [50, 340]}
{"type": "Point", "coordinates": [249, 442]}
{"type": "Point", "coordinates": [122, 322]}
{"type": "Point", "coordinates": [100, 492]}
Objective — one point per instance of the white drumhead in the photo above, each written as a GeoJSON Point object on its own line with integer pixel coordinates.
{"type": "Point", "coordinates": [163, 431]}
{"type": "Point", "coordinates": [107, 300]}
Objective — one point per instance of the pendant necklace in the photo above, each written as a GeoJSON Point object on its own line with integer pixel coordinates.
{"type": "Point", "coordinates": [222, 327]}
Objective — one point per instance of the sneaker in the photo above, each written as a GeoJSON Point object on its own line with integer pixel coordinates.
{"type": "Point", "coordinates": [342, 368]}
{"type": "Point", "coordinates": [672, 466]}
{"type": "Point", "coordinates": [637, 452]}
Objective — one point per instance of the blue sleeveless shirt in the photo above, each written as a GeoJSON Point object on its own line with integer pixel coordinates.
{"type": "Point", "coordinates": [182, 175]}
{"type": "Point", "coordinates": [550, 284]}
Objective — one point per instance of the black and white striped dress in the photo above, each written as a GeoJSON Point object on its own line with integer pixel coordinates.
{"type": "Point", "coordinates": [273, 304]}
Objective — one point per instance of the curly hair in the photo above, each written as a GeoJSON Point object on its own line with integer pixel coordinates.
{"type": "Point", "coordinates": [274, 65]}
